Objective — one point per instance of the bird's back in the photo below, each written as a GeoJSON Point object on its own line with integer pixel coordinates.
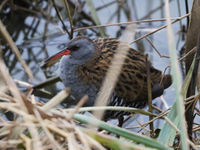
{"type": "Point", "coordinates": [132, 81]}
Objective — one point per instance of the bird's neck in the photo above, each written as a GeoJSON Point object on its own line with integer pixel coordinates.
{"type": "Point", "coordinates": [71, 78]}
{"type": "Point", "coordinates": [68, 70]}
{"type": "Point", "coordinates": [73, 71]}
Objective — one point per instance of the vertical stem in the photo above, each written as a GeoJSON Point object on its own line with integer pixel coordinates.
{"type": "Point", "coordinates": [187, 11]}
{"type": "Point", "coordinates": [60, 17]}
{"type": "Point", "coordinates": [149, 95]}
{"type": "Point", "coordinates": [180, 107]}
{"type": "Point", "coordinates": [70, 18]}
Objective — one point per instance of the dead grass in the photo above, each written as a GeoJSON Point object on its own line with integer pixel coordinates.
{"type": "Point", "coordinates": [45, 126]}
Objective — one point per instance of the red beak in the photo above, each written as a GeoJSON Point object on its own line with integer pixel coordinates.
{"type": "Point", "coordinates": [55, 58]}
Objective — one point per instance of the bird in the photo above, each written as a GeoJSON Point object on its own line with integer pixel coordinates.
{"type": "Point", "coordinates": [83, 66]}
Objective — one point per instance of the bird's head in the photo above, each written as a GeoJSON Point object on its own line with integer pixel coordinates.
{"type": "Point", "coordinates": [80, 50]}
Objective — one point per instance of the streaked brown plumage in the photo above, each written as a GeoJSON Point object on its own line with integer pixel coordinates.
{"type": "Point", "coordinates": [132, 83]}
{"type": "Point", "coordinates": [131, 87]}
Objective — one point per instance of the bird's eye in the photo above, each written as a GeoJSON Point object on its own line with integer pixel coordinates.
{"type": "Point", "coordinates": [74, 48]}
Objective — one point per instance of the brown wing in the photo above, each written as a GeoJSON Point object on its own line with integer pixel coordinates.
{"type": "Point", "coordinates": [131, 85]}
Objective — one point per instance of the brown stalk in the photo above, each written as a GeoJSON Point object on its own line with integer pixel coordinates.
{"type": "Point", "coordinates": [121, 23]}
{"type": "Point", "coordinates": [193, 39]}
{"type": "Point", "coordinates": [44, 126]}
{"type": "Point", "coordinates": [160, 28]}
{"type": "Point", "coordinates": [80, 103]}
{"type": "Point", "coordinates": [111, 78]}
{"type": "Point", "coordinates": [14, 48]}
{"type": "Point", "coordinates": [60, 17]}
{"type": "Point", "coordinates": [11, 85]}
{"type": "Point", "coordinates": [153, 46]}
{"type": "Point", "coordinates": [56, 100]}
{"type": "Point", "coordinates": [149, 95]}
{"type": "Point", "coordinates": [3, 3]}
{"type": "Point", "coordinates": [148, 122]}
{"type": "Point", "coordinates": [70, 18]}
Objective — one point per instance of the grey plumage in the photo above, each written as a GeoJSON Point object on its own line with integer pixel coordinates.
{"type": "Point", "coordinates": [84, 67]}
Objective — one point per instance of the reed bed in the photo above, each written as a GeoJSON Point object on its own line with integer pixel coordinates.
{"type": "Point", "coordinates": [27, 122]}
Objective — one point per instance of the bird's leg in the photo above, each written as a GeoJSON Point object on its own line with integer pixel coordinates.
{"type": "Point", "coordinates": [120, 121]}
{"type": "Point", "coordinates": [99, 129]}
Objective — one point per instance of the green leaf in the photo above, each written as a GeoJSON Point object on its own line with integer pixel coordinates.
{"type": "Point", "coordinates": [113, 142]}
{"type": "Point", "coordinates": [121, 132]}
{"type": "Point", "coordinates": [167, 134]}
{"type": "Point", "coordinates": [95, 16]}
{"type": "Point", "coordinates": [188, 79]}
{"type": "Point", "coordinates": [113, 108]}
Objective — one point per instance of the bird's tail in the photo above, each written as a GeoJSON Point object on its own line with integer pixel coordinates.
{"type": "Point", "coordinates": [158, 89]}
{"type": "Point", "coordinates": [166, 81]}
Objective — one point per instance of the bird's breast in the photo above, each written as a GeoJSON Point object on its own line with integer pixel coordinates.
{"type": "Point", "coordinates": [70, 78]}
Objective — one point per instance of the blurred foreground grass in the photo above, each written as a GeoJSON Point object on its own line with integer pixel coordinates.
{"type": "Point", "coordinates": [34, 125]}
